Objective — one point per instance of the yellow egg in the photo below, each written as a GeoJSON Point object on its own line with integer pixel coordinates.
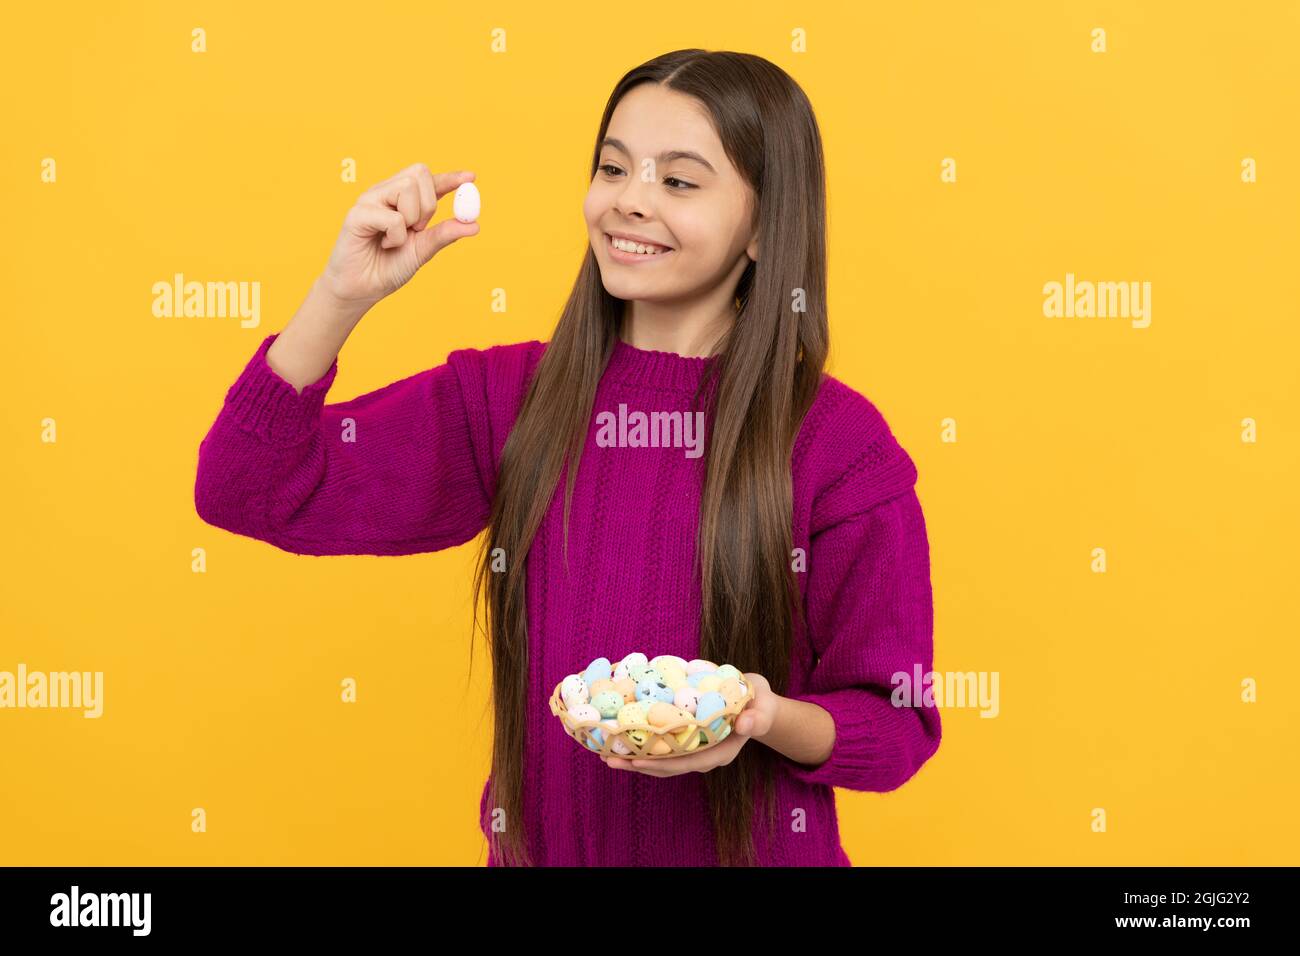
{"type": "Point", "coordinates": [637, 736]}
{"type": "Point", "coordinates": [690, 737]}
{"type": "Point", "coordinates": [710, 683]}
{"type": "Point", "coordinates": [672, 675]}
{"type": "Point", "coordinates": [634, 713]}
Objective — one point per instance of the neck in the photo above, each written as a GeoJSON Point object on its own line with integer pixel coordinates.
{"type": "Point", "coordinates": [691, 332]}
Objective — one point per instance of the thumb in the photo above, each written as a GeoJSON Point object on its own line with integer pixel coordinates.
{"type": "Point", "coordinates": [430, 240]}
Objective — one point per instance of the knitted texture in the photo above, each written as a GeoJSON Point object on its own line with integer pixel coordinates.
{"type": "Point", "coordinates": [411, 468]}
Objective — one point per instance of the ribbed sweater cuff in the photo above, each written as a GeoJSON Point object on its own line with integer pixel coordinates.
{"type": "Point", "coordinates": [266, 405]}
{"type": "Point", "coordinates": [876, 743]}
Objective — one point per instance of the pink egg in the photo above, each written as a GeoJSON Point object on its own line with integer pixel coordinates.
{"type": "Point", "coordinates": [697, 665]}
{"type": "Point", "coordinates": [687, 698]}
{"type": "Point", "coordinates": [583, 712]}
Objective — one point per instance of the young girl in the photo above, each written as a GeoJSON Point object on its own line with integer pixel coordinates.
{"type": "Point", "coordinates": [793, 546]}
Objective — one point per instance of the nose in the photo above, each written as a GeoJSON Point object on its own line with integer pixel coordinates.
{"type": "Point", "coordinates": [632, 198]}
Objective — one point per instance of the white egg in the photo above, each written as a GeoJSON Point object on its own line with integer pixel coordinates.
{"type": "Point", "coordinates": [466, 204]}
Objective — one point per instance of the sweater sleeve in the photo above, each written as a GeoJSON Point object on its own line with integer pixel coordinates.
{"type": "Point", "coordinates": [406, 468]}
{"type": "Point", "coordinates": [870, 613]}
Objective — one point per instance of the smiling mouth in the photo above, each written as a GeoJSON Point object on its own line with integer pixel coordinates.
{"type": "Point", "coordinates": [630, 255]}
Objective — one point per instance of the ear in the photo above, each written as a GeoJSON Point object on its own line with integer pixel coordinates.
{"type": "Point", "coordinates": [752, 250]}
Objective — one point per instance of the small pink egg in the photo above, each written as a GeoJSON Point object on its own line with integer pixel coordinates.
{"type": "Point", "coordinates": [697, 665]}
{"type": "Point", "coordinates": [687, 698]}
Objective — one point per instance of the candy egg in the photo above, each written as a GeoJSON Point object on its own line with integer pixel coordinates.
{"type": "Point", "coordinates": [694, 679]}
{"type": "Point", "coordinates": [671, 674]}
{"type": "Point", "coordinates": [634, 713]}
{"type": "Point", "coordinates": [619, 747]}
{"type": "Point", "coordinates": [697, 665]}
{"type": "Point", "coordinates": [636, 657]}
{"type": "Point", "coordinates": [609, 703]}
{"type": "Point", "coordinates": [660, 747]}
{"type": "Point", "coordinates": [466, 203]}
{"type": "Point", "coordinates": [620, 671]}
{"type": "Point", "coordinates": [710, 704]}
{"type": "Point", "coordinates": [689, 738]}
{"type": "Point", "coordinates": [730, 690]}
{"type": "Point", "coordinates": [687, 698]}
{"type": "Point", "coordinates": [610, 723]}
{"type": "Point", "coordinates": [583, 712]}
{"type": "Point", "coordinates": [573, 690]}
{"type": "Point", "coordinates": [626, 687]}
{"type": "Point", "coordinates": [600, 686]}
{"type": "Point", "coordinates": [596, 740]}
{"type": "Point", "coordinates": [658, 662]}
{"type": "Point", "coordinates": [709, 682]}
{"type": "Point", "coordinates": [653, 690]}
{"type": "Point", "coordinates": [663, 714]}
{"type": "Point", "coordinates": [726, 670]}
{"type": "Point", "coordinates": [599, 669]}
{"type": "Point", "coordinates": [636, 670]}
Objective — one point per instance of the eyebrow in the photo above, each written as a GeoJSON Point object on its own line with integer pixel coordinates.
{"type": "Point", "coordinates": [667, 156]}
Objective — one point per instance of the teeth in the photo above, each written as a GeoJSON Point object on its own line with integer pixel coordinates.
{"type": "Point", "coordinates": [639, 248]}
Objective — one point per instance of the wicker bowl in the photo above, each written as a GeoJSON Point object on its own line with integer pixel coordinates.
{"type": "Point", "coordinates": [680, 738]}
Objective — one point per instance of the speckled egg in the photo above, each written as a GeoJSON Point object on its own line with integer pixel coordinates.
{"type": "Point", "coordinates": [658, 662]}
{"type": "Point", "coordinates": [730, 691]}
{"type": "Point", "coordinates": [648, 689]}
{"type": "Point", "coordinates": [608, 702]}
{"type": "Point", "coordinates": [671, 674]}
{"type": "Point", "coordinates": [693, 680]}
{"type": "Point", "coordinates": [726, 670]}
{"type": "Point", "coordinates": [627, 687]}
{"type": "Point", "coordinates": [634, 713]}
{"type": "Point", "coordinates": [581, 712]}
{"type": "Point", "coordinates": [711, 703]}
{"type": "Point", "coordinates": [660, 747]}
{"type": "Point", "coordinates": [600, 686]}
{"type": "Point", "coordinates": [574, 691]}
{"type": "Point", "coordinates": [708, 683]}
{"type": "Point", "coordinates": [663, 714]}
{"type": "Point", "coordinates": [619, 747]}
{"type": "Point", "coordinates": [596, 740]}
{"type": "Point", "coordinates": [698, 665]}
{"type": "Point", "coordinates": [599, 669]}
{"type": "Point", "coordinates": [687, 698]}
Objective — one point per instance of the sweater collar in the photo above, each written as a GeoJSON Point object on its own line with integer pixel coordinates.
{"type": "Point", "coordinates": [634, 366]}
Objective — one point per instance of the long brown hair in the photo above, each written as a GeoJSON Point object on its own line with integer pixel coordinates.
{"type": "Point", "coordinates": [768, 371]}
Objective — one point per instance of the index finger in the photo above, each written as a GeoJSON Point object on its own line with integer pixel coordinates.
{"type": "Point", "coordinates": [444, 183]}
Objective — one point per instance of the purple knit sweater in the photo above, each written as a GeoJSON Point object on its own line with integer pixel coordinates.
{"type": "Point", "coordinates": [419, 475]}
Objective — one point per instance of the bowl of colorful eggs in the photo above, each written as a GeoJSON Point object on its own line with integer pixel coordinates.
{"type": "Point", "coordinates": [660, 707]}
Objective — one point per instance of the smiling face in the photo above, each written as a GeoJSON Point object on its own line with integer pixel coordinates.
{"type": "Point", "coordinates": [696, 208]}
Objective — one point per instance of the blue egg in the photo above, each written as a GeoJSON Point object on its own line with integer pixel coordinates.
{"type": "Point", "coordinates": [710, 704]}
{"type": "Point", "coordinates": [653, 689]}
{"type": "Point", "coordinates": [596, 740]}
{"type": "Point", "coordinates": [599, 669]}
{"type": "Point", "coordinates": [694, 679]}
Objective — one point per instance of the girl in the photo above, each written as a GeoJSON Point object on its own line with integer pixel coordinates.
{"type": "Point", "coordinates": [794, 547]}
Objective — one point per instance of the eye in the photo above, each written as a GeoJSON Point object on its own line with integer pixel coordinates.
{"type": "Point", "coordinates": [683, 182]}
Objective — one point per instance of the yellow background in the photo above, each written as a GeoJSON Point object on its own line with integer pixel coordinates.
{"type": "Point", "coordinates": [1118, 690]}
